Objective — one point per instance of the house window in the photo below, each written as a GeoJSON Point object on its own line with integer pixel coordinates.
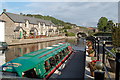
{"type": "Point", "coordinates": [41, 24]}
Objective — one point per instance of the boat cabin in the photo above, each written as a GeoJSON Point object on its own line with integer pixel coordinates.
{"type": "Point", "coordinates": [39, 64]}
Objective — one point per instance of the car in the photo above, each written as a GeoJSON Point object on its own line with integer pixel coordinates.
{"type": "Point", "coordinates": [3, 45]}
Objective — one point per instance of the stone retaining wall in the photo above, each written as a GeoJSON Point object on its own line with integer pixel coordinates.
{"type": "Point", "coordinates": [28, 41]}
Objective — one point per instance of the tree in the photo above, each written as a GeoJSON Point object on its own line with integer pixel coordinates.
{"type": "Point", "coordinates": [116, 35]}
{"type": "Point", "coordinates": [67, 27]}
{"type": "Point", "coordinates": [110, 25]}
{"type": "Point", "coordinates": [65, 30]}
{"type": "Point", "coordinates": [102, 23]}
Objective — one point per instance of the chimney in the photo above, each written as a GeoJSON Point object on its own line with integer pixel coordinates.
{"type": "Point", "coordinates": [4, 10]}
{"type": "Point", "coordinates": [21, 13]}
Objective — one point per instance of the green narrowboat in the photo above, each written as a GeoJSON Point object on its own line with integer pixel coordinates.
{"type": "Point", "coordinates": [39, 64]}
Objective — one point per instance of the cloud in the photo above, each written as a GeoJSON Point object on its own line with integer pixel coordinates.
{"type": "Point", "coordinates": [59, 0]}
{"type": "Point", "coordinates": [80, 13]}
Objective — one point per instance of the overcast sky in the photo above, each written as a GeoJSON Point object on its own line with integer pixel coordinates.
{"type": "Point", "coordinates": [81, 13]}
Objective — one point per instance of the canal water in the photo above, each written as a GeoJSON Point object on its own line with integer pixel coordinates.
{"type": "Point", "coordinates": [19, 50]}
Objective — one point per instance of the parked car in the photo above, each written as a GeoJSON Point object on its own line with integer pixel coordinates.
{"type": "Point", "coordinates": [3, 45]}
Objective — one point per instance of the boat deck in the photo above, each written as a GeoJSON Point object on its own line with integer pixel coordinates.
{"type": "Point", "coordinates": [75, 67]}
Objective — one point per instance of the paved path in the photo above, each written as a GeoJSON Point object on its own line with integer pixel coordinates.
{"type": "Point", "coordinates": [76, 65]}
{"type": "Point", "coordinates": [87, 70]}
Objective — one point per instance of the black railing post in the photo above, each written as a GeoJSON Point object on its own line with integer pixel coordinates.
{"type": "Point", "coordinates": [103, 57]}
{"type": "Point", "coordinates": [99, 75]}
{"type": "Point", "coordinates": [117, 73]}
{"type": "Point", "coordinates": [95, 46]}
{"type": "Point", "coordinates": [98, 49]}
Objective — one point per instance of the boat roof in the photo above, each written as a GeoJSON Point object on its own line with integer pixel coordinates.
{"type": "Point", "coordinates": [30, 60]}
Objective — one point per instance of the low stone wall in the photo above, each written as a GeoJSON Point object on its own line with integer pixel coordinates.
{"type": "Point", "coordinates": [28, 41]}
{"type": "Point", "coordinates": [70, 37]}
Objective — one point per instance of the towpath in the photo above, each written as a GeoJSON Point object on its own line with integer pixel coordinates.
{"type": "Point", "coordinates": [36, 40]}
{"type": "Point", "coordinates": [75, 68]}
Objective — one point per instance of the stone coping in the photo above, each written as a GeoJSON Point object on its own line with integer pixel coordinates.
{"type": "Point", "coordinates": [37, 40]}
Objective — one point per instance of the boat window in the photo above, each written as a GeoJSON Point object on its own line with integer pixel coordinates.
{"type": "Point", "coordinates": [64, 53]}
{"type": "Point", "coordinates": [9, 74]}
{"type": "Point", "coordinates": [47, 66]}
{"type": "Point", "coordinates": [57, 57]}
{"type": "Point", "coordinates": [30, 73]}
{"type": "Point", "coordinates": [66, 50]}
{"type": "Point", "coordinates": [52, 61]}
{"type": "Point", "coordinates": [61, 55]}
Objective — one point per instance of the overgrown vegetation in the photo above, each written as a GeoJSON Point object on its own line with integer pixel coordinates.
{"type": "Point", "coordinates": [58, 22]}
{"type": "Point", "coordinates": [105, 25]}
{"type": "Point", "coordinates": [103, 34]}
{"type": "Point", "coordinates": [70, 34]}
{"type": "Point", "coordinates": [113, 50]}
{"type": "Point", "coordinates": [116, 35]}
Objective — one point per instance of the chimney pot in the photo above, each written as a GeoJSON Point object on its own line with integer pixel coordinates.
{"type": "Point", "coordinates": [21, 13]}
{"type": "Point", "coordinates": [4, 10]}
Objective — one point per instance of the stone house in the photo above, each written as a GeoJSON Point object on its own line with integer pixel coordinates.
{"type": "Point", "coordinates": [20, 26]}
{"type": "Point", "coordinates": [92, 29]}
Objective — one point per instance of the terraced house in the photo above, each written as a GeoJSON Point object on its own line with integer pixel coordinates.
{"type": "Point", "coordinates": [18, 26]}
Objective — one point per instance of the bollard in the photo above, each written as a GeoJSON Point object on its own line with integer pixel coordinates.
{"type": "Point", "coordinates": [117, 66]}
{"type": "Point", "coordinates": [99, 74]}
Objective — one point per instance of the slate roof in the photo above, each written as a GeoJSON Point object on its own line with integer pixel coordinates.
{"type": "Point", "coordinates": [22, 19]}
{"type": "Point", "coordinates": [17, 28]}
{"type": "Point", "coordinates": [2, 21]}
{"type": "Point", "coordinates": [33, 28]}
{"type": "Point", "coordinates": [50, 30]}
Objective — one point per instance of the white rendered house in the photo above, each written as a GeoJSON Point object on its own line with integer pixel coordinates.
{"type": "Point", "coordinates": [2, 39]}
{"type": "Point", "coordinates": [2, 31]}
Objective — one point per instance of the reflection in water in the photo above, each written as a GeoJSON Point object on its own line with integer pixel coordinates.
{"type": "Point", "coordinates": [72, 41]}
{"type": "Point", "coordinates": [20, 50]}
{"type": "Point", "coordinates": [77, 43]}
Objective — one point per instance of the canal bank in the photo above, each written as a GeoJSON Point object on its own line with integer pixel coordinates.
{"type": "Point", "coordinates": [36, 40]}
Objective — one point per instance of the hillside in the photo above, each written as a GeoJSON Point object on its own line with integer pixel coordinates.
{"type": "Point", "coordinates": [58, 22]}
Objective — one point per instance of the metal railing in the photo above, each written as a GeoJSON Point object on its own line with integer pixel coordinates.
{"type": "Point", "coordinates": [97, 44]}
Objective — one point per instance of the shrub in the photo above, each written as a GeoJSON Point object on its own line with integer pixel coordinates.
{"type": "Point", "coordinates": [103, 34]}
{"type": "Point", "coordinates": [70, 34]}
{"type": "Point", "coordinates": [113, 50]}
{"type": "Point", "coordinates": [116, 36]}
